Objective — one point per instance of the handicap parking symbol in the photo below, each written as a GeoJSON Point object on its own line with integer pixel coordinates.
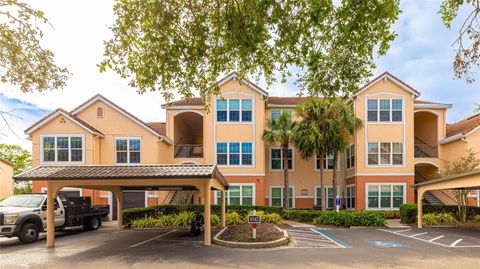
{"type": "Point", "coordinates": [386, 244]}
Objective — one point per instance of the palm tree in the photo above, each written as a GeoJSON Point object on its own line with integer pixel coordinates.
{"type": "Point", "coordinates": [282, 131]}
{"type": "Point", "coordinates": [309, 135]}
{"type": "Point", "coordinates": [340, 126]}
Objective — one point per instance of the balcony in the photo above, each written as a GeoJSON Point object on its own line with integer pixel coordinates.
{"type": "Point", "coordinates": [426, 150]}
{"type": "Point", "coordinates": [189, 151]}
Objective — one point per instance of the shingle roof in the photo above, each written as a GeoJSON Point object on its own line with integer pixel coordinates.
{"type": "Point", "coordinates": [194, 101]}
{"type": "Point", "coordinates": [62, 111]}
{"type": "Point", "coordinates": [102, 172]}
{"type": "Point", "coordinates": [160, 127]}
{"type": "Point", "coordinates": [272, 100]}
{"type": "Point", "coordinates": [464, 126]}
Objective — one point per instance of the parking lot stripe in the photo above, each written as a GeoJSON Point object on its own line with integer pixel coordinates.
{"type": "Point", "coordinates": [456, 242]}
{"type": "Point", "coordinates": [436, 238]}
{"type": "Point", "coordinates": [151, 239]}
{"type": "Point", "coordinates": [401, 231]}
{"type": "Point", "coordinates": [331, 238]}
{"type": "Point", "coordinates": [414, 235]}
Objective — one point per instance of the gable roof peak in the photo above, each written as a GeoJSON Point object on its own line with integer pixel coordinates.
{"type": "Point", "coordinates": [235, 75]}
{"type": "Point", "coordinates": [389, 76]}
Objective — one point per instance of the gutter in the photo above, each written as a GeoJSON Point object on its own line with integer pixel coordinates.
{"type": "Point", "coordinates": [452, 138]}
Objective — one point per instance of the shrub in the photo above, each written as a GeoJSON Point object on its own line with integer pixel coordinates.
{"type": "Point", "coordinates": [215, 220]}
{"type": "Point", "coordinates": [351, 218]}
{"type": "Point", "coordinates": [302, 215]}
{"type": "Point", "coordinates": [391, 214]}
{"type": "Point", "coordinates": [149, 222]}
{"type": "Point", "coordinates": [233, 218]}
{"type": "Point", "coordinates": [272, 218]}
{"type": "Point", "coordinates": [408, 212]}
{"type": "Point", "coordinates": [476, 218]}
{"type": "Point", "coordinates": [438, 219]}
{"type": "Point", "coordinates": [184, 219]}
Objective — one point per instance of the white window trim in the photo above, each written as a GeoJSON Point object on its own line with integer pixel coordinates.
{"type": "Point", "coordinates": [282, 110]}
{"type": "Point", "coordinates": [281, 188]}
{"type": "Point", "coordinates": [354, 196]}
{"type": "Point", "coordinates": [391, 198]}
{"type": "Point", "coordinates": [354, 155]}
{"type": "Point", "coordinates": [228, 165]}
{"type": "Point", "coordinates": [391, 155]}
{"type": "Point", "coordinates": [318, 194]}
{"type": "Point", "coordinates": [325, 168]}
{"type": "Point", "coordinates": [270, 160]}
{"type": "Point", "coordinates": [227, 202]}
{"type": "Point", "coordinates": [390, 110]}
{"type": "Point", "coordinates": [128, 138]}
{"type": "Point", "coordinates": [69, 152]}
{"type": "Point", "coordinates": [240, 110]}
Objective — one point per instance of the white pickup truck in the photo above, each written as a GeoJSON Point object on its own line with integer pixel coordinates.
{"type": "Point", "coordinates": [25, 216]}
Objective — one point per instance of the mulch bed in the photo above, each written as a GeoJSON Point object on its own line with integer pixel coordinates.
{"type": "Point", "coordinates": [243, 233]}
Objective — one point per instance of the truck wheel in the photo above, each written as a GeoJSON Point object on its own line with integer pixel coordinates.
{"type": "Point", "coordinates": [91, 224]}
{"type": "Point", "coordinates": [28, 233]}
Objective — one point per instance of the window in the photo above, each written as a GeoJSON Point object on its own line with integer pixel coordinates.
{"type": "Point", "coordinates": [237, 195]}
{"type": "Point", "coordinates": [276, 159]}
{"type": "Point", "coordinates": [60, 148]}
{"type": "Point", "coordinates": [350, 198]}
{"type": "Point", "coordinates": [328, 192]}
{"type": "Point", "coordinates": [276, 196]}
{"type": "Point", "coordinates": [275, 113]}
{"type": "Point", "coordinates": [385, 153]}
{"type": "Point", "coordinates": [234, 153]}
{"type": "Point", "coordinates": [385, 110]}
{"type": "Point", "coordinates": [385, 196]}
{"type": "Point", "coordinates": [99, 112]}
{"type": "Point", "coordinates": [221, 110]}
{"type": "Point", "coordinates": [234, 110]}
{"type": "Point", "coordinates": [327, 162]}
{"type": "Point", "coordinates": [350, 156]}
{"type": "Point", "coordinates": [246, 110]}
{"type": "Point", "coordinates": [127, 150]}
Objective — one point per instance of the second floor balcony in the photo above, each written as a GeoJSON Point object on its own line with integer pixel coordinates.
{"type": "Point", "coordinates": [189, 151]}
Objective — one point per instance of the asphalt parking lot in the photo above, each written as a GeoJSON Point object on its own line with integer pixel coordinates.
{"type": "Point", "coordinates": [320, 247]}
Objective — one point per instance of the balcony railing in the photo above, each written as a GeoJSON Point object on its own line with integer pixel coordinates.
{"type": "Point", "coordinates": [426, 151]}
{"type": "Point", "coordinates": [189, 151]}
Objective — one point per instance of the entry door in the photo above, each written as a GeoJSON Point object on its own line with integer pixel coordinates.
{"type": "Point", "coordinates": [131, 199]}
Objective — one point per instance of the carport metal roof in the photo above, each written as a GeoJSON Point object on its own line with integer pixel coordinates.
{"type": "Point", "coordinates": [470, 180]}
{"type": "Point", "coordinates": [119, 172]}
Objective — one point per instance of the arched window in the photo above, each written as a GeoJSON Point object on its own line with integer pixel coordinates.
{"type": "Point", "coordinates": [99, 112]}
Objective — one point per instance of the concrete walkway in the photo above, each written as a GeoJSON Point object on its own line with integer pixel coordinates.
{"type": "Point", "coordinates": [298, 224]}
{"type": "Point", "coordinates": [395, 223]}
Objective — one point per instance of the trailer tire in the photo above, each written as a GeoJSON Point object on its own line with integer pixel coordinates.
{"type": "Point", "coordinates": [91, 223]}
{"type": "Point", "coordinates": [28, 233]}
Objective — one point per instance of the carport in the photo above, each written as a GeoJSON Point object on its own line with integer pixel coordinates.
{"type": "Point", "coordinates": [203, 178]}
{"type": "Point", "coordinates": [469, 180]}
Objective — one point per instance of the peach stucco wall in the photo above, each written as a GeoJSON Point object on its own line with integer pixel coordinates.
{"type": "Point", "coordinates": [6, 179]}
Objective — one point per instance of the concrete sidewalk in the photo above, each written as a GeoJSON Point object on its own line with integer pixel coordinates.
{"type": "Point", "coordinates": [395, 223]}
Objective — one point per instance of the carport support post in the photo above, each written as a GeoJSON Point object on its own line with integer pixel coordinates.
{"type": "Point", "coordinates": [118, 193]}
{"type": "Point", "coordinates": [207, 238]}
{"type": "Point", "coordinates": [51, 192]}
{"type": "Point", "coordinates": [223, 209]}
{"type": "Point", "coordinates": [420, 208]}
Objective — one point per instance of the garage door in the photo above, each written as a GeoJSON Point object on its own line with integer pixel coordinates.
{"type": "Point", "coordinates": [131, 199]}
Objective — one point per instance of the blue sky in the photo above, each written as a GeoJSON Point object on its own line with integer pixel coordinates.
{"type": "Point", "coordinates": [421, 56]}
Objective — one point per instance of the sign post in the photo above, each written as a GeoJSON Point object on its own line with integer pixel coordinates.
{"type": "Point", "coordinates": [254, 220]}
{"type": "Point", "coordinates": [337, 203]}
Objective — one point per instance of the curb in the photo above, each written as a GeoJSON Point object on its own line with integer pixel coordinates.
{"type": "Point", "coordinates": [271, 244]}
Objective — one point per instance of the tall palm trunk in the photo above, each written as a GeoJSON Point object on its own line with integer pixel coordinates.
{"type": "Point", "coordinates": [286, 190]}
{"type": "Point", "coordinates": [322, 184]}
{"type": "Point", "coordinates": [334, 177]}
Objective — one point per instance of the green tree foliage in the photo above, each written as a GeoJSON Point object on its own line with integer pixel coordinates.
{"type": "Point", "coordinates": [175, 46]}
{"type": "Point", "coordinates": [282, 131]}
{"type": "Point", "coordinates": [468, 41]}
{"type": "Point", "coordinates": [462, 164]}
{"type": "Point", "coordinates": [24, 62]}
{"type": "Point", "coordinates": [22, 159]}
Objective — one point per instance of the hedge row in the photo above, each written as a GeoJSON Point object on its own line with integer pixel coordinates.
{"type": "Point", "coordinates": [158, 210]}
{"type": "Point", "coordinates": [408, 212]}
{"type": "Point", "coordinates": [351, 218]}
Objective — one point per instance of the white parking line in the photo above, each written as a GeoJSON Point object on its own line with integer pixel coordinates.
{"type": "Point", "coordinates": [401, 231]}
{"type": "Point", "coordinates": [456, 242]}
{"type": "Point", "coordinates": [414, 235]}
{"type": "Point", "coordinates": [151, 239]}
{"type": "Point", "coordinates": [436, 238]}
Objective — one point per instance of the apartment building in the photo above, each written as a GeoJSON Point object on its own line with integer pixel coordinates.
{"type": "Point", "coordinates": [403, 141]}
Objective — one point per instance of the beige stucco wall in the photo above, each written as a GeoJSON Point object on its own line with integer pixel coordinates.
{"type": "Point", "coordinates": [6, 180]}
{"type": "Point", "coordinates": [385, 132]}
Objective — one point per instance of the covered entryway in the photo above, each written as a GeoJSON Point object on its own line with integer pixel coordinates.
{"type": "Point", "coordinates": [203, 178]}
{"type": "Point", "coordinates": [466, 181]}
